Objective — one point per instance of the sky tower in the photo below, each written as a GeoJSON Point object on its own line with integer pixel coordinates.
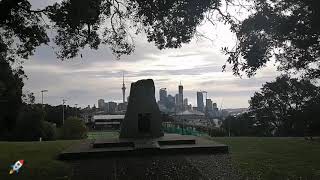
{"type": "Point", "coordinates": [123, 89]}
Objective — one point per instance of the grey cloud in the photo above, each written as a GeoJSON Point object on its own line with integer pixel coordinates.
{"type": "Point", "coordinates": [185, 55]}
{"type": "Point", "coordinates": [252, 82]}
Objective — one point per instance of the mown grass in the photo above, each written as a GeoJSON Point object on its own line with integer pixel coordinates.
{"type": "Point", "coordinates": [255, 157]}
{"type": "Point", "coordinates": [102, 134]}
{"type": "Point", "coordinates": [40, 160]}
{"type": "Point", "coordinates": [275, 158]}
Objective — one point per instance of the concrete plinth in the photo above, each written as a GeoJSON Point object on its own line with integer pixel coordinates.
{"type": "Point", "coordinates": [166, 145]}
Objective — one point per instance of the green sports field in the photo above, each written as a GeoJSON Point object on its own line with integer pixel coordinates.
{"type": "Point", "coordinates": [256, 158]}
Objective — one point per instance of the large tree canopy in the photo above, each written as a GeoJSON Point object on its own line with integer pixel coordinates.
{"type": "Point", "coordinates": [285, 106]}
{"type": "Point", "coordinates": [284, 29]}
{"type": "Point", "coordinates": [288, 30]}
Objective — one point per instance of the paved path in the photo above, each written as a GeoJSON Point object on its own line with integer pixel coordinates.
{"type": "Point", "coordinates": [191, 167]}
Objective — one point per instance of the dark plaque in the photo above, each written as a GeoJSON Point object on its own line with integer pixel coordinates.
{"type": "Point", "coordinates": [144, 122]}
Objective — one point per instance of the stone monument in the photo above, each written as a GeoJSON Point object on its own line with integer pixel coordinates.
{"type": "Point", "coordinates": [142, 119]}
{"type": "Point", "coordinates": [141, 133]}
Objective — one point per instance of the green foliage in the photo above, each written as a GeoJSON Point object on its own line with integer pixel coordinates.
{"type": "Point", "coordinates": [217, 132]}
{"type": "Point", "coordinates": [73, 128]}
{"type": "Point", "coordinates": [278, 108]}
{"type": "Point", "coordinates": [285, 107]}
{"type": "Point", "coordinates": [285, 29]}
{"type": "Point", "coordinates": [10, 97]}
{"type": "Point", "coordinates": [22, 29]}
{"type": "Point", "coordinates": [31, 126]}
{"type": "Point", "coordinates": [49, 131]}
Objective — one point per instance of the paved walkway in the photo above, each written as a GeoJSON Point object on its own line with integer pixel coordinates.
{"type": "Point", "coordinates": [191, 167]}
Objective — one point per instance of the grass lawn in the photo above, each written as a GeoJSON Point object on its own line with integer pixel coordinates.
{"type": "Point", "coordinates": [275, 158]}
{"type": "Point", "coordinates": [40, 160]}
{"type": "Point", "coordinates": [256, 158]}
{"type": "Point", "coordinates": [102, 134]}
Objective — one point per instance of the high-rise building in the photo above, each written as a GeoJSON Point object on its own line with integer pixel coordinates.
{"type": "Point", "coordinates": [170, 102]}
{"type": "Point", "coordinates": [209, 106]}
{"type": "Point", "coordinates": [200, 104]}
{"type": "Point", "coordinates": [177, 100]}
{"type": "Point", "coordinates": [163, 95]}
{"type": "Point", "coordinates": [214, 105]}
{"type": "Point", "coordinates": [123, 90]}
{"type": "Point", "coordinates": [101, 103]}
{"type": "Point", "coordinates": [112, 107]}
{"type": "Point", "coordinates": [185, 103]}
{"type": "Point", "coordinates": [180, 99]}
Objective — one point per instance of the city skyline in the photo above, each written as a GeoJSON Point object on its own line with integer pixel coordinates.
{"type": "Point", "coordinates": [97, 74]}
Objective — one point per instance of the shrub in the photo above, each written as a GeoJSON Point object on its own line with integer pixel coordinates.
{"type": "Point", "coordinates": [49, 131]}
{"type": "Point", "coordinates": [73, 128]}
{"type": "Point", "coordinates": [31, 126]}
{"type": "Point", "coordinates": [216, 132]}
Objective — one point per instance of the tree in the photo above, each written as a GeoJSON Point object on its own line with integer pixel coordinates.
{"type": "Point", "coordinates": [285, 29]}
{"type": "Point", "coordinates": [30, 125]}
{"type": "Point", "coordinates": [74, 128]}
{"type": "Point", "coordinates": [243, 125]}
{"type": "Point", "coordinates": [278, 105]}
{"type": "Point", "coordinates": [10, 97]}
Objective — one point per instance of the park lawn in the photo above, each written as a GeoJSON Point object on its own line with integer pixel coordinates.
{"type": "Point", "coordinates": [274, 158]}
{"type": "Point", "coordinates": [40, 160]}
{"type": "Point", "coordinates": [102, 134]}
{"type": "Point", "coordinates": [256, 158]}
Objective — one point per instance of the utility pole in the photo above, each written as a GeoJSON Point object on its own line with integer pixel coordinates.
{"type": "Point", "coordinates": [63, 101]}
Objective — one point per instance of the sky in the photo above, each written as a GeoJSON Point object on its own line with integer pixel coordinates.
{"type": "Point", "coordinates": [98, 75]}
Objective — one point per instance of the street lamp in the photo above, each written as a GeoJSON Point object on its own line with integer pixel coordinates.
{"type": "Point", "coordinates": [42, 91]}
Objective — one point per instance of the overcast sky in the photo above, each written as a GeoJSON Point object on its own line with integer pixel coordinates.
{"type": "Point", "coordinates": [99, 75]}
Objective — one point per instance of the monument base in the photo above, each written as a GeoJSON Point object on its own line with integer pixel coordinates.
{"type": "Point", "coordinates": [168, 144]}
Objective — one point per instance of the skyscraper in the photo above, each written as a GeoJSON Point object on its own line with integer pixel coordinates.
{"type": "Point", "coordinates": [180, 99]}
{"type": "Point", "coordinates": [185, 104]}
{"type": "Point", "coordinates": [101, 104]}
{"type": "Point", "coordinates": [209, 106]}
{"type": "Point", "coordinates": [123, 89]}
{"type": "Point", "coordinates": [163, 95]}
{"type": "Point", "coordinates": [200, 101]}
{"type": "Point", "coordinates": [176, 97]}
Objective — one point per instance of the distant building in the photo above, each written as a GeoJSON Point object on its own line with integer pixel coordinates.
{"type": "Point", "coordinates": [189, 116]}
{"type": "Point", "coordinates": [200, 104]}
{"type": "Point", "coordinates": [180, 99]}
{"type": "Point", "coordinates": [101, 103]}
{"type": "Point", "coordinates": [112, 107]}
{"type": "Point", "coordinates": [107, 121]}
{"type": "Point", "coordinates": [195, 109]}
{"type": "Point", "coordinates": [214, 105]}
{"type": "Point", "coordinates": [209, 106]}
{"type": "Point", "coordinates": [122, 107]}
{"type": "Point", "coordinates": [177, 100]}
{"type": "Point", "coordinates": [163, 95]}
{"type": "Point", "coordinates": [171, 99]}
{"type": "Point", "coordinates": [185, 103]}
{"type": "Point", "coordinates": [170, 103]}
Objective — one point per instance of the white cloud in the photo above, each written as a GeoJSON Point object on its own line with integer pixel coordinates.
{"type": "Point", "coordinates": [98, 75]}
